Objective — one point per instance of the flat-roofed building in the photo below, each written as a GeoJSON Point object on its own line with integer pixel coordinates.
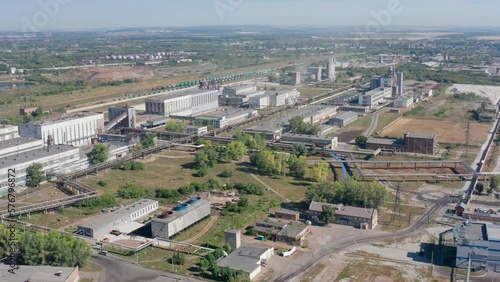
{"type": "Point", "coordinates": [180, 218]}
{"type": "Point", "coordinates": [221, 119]}
{"type": "Point", "coordinates": [384, 143]}
{"type": "Point", "coordinates": [343, 119]}
{"type": "Point", "coordinates": [76, 129]}
{"type": "Point", "coordinates": [346, 215]}
{"type": "Point", "coordinates": [322, 142]}
{"type": "Point", "coordinates": [421, 143]}
{"type": "Point", "coordinates": [374, 97]}
{"type": "Point", "coordinates": [39, 274]}
{"type": "Point", "coordinates": [189, 102]}
{"type": "Point", "coordinates": [274, 99]}
{"type": "Point", "coordinates": [287, 214]}
{"type": "Point", "coordinates": [292, 234]}
{"type": "Point", "coordinates": [8, 132]}
{"type": "Point", "coordinates": [248, 259]}
{"type": "Point", "coordinates": [101, 226]}
{"type": "Point", "coordinates": [479, 243]}
{"type": "Point", "coordinates": [56, 158]}
{"type": "Point", "coordinates": [238, 89]}
{"type": "Point", "coordinates": [19, 145]}
{"type": "Point", "coordinates": [239, 94]}
{"type": "Point", "coordinates": [198, 130]}
{"type": "Point", "coordinates": [403, 102]}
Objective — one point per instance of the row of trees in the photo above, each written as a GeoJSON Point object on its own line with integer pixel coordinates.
{"type": "Point", "coordinates": [352, 193]}
{"type": "Point", "coordinates": [211, 155]}
{"type": "Point", "coordinates": [211, 184]}
{"type": "Point", "coordinates": [277, 163]}
{"type": "Point", "coordinates": [54, 249]}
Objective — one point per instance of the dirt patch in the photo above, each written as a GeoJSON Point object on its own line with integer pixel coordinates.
{"type": "Point", "coordinates": [447, 131]}
{"type": "Point", "coordinates": [105, 74]}
{"type": "Point", "coordinates": [490, 92]}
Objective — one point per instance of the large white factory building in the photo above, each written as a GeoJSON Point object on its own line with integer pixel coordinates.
{"type": "Point", "coordinates": [185, 103]}
{"type": "Point", "coordinates": [75, 130]}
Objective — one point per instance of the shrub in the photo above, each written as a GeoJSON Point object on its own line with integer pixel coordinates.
{"type": "Point", "coordinates": [226, 173]}
{"type": "Point", "coordinates": [131, 191]}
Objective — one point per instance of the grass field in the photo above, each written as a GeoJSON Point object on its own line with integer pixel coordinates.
{"type": "Point", "coordinates": [385, 119]}
{"type": "Point", "coordinates": [448, 131]}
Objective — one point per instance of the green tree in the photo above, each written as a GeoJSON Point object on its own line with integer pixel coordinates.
{"type": "Point", "coordinates": [312, 150]}
{"type": "Point", "coordinates": [99, 154]}
{"type": "Point", "coordinates": [38, 113]}
{"type": "Point", "coordinates": [327, 214]}
{"type": "Point", "coordinates": [281, 163]}
{"type": "Point", "coordinates": [178, 258]}
{"type": "Point", "coordinates": [320, 171]}
{"type": "Point", "coordinates": [148, 141]}
{"type": "Point", "coordinates": [297, 125]}
{"type": "Point", "coordinates": [243, 202]}
{"type": "Point", "coordinates": [297, 166]}
{"type": "Point", "coordinates": [352, 193]}
{"type": "Point", "coordinates": [236, 150]}
{"type": "Point", "coordinates": [361, 141]}
{"type": "Point", "coordinates": [35, 175]}
{"type": "Point", "coordinates": [494, 182]}
{"type": "Point", "coordinates": [299, 149]}
{"type": "Point", "coordinates": [480, 188]}
{"type": "Point", "coordinates": [202, 171]}
{"type": "Point", "coordinates": [55, 248]}
{"type": "Point", "coordinates": [175, 126]}
{"type": "Point", "coordinates": [264, 161]}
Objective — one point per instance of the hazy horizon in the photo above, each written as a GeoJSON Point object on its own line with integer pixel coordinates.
{"type": "Point", "coordinates": [375, 15]}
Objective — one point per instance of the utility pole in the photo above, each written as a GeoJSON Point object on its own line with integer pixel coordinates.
{"type": "Point", "coordinates": [397, 205]}
{"type": "Point", "coordinates": [468, 267]}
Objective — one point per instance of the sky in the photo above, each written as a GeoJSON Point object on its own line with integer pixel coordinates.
{"type": "Point", "coordinates": [39, 15]}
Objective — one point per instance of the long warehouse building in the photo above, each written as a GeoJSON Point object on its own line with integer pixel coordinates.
{"type": "Point", "coordinates": [184, 103]}
{"type": "Point", "coordinates": [180, 218]}
{"type": "Point", "coordinates": [98, 228]}
{"type": "Point", "coordinates": [56, 158]}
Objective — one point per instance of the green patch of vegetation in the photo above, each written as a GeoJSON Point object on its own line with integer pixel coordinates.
{"type": "Point", "coordinates": [415, 111]}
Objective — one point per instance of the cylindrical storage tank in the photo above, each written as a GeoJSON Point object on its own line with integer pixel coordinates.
{"type": "Point", "coordinates": [194, 201]}
{"type": "Point", "coordinates": [181, 207]}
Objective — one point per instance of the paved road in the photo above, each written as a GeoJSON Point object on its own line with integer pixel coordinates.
{"type": "Point", "coordinates": [118, 270]}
